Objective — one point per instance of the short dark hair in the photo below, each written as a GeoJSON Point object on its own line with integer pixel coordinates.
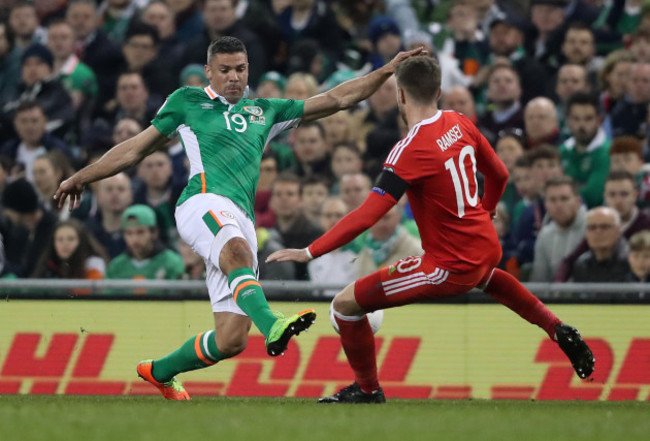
{"type": "Point", "coordinates": [497, 67]}
{"type": "Point", "coordinates": [314, 180]}
{"type": "Point", "coordinates": [25, 105]}
{"type": "Point", "coordinates": [420, 76]}
{"type": "Point", "coordinates": [140, 28]}
{"type": "Point", "coordinates": [621, 175]}
{"type": "Point", "coordinates": [347, 145]}
{"type": "Point", "coordinates": [23, 4]}
{"type": "Point", "coordinates": [523, 162]}
{"type": "Point", "coordinates": [579, 26]}
{"type": "Point", "coordinates": [311, 124]}
{"type": "Point", "coordinates": [560, 181]}
{"type": "Point", "coordinates": [626, 144]}
{"type": "Point", "coordinates": [226, 45]}
{"type": "Point", "coordinates": [286, 178]}
{"type": "Point", "coordinates": [583, 99]}
{"type": "Point", "coordinates": [544, 151]}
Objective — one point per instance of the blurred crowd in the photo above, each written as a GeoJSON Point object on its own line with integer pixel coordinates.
{"type": "Point", "coordinates": [561, 89]}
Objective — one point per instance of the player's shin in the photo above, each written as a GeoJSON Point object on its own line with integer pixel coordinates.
{"type": "Point", "coordinates": [198, 352]}
{"type": "Point", "coordinates": [358, 343]}
{"type": "Point", "coordinates": [248, 295]}
{"type": "Point", "coordinates": [508, 291]}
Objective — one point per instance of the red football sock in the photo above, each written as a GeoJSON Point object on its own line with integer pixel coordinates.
{"type": "Point", "coordinates": [359, 345]}
{"type": "Point", "coordinates": [508, 291]}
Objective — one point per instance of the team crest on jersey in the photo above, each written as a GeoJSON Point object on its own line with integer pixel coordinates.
{"type": "Point", "coordinates": [207, 106]}
{"type": "Point", "coordinates": [226, 213]}
{"type": "Point", "coordinates": [254, 110]}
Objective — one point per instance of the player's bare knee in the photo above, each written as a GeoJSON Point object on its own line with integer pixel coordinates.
{"type": "Point", "coordinates": [235, 254]}
{"type": "Point", "coordinates": [344, 303]}
{"type": "Point", "coordinates": [232, 345]}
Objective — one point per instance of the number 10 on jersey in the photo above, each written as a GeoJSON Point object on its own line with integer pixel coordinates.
{"type": "Point", "coordinates": [463, 189]}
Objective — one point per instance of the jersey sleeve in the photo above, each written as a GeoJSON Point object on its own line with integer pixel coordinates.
{"type": "Point", "coordinates": [171, 115]}
{"type": "Point", "coordinates": [403, 160]}
{"type": "Point", "coordinates": [287, 112]}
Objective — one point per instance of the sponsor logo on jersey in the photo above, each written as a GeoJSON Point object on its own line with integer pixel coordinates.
{"type": "Point", "coordinates": [379, 191]}
{"type": "Point", "coordinates": [226, 213]}
{"type": "Point", "coordinates": [254, 110]}
{"type": "Point", "coordinates": [257, 120]}
{"type": "Point", "coordinates": [207, 106]}
{"type": "Point", "coordinates": [449, 138]}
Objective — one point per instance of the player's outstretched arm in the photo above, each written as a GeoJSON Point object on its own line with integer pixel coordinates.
{"type": "Point", "coordinates": [351, 92]}
{"type": "Point", "coordinates": [122, 156]}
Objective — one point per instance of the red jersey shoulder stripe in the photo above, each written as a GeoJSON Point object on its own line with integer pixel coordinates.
{"type": "Point", "coordinates": [394, 155]}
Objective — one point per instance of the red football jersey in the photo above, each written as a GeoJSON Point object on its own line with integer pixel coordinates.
{"type": "Point", "coordinates": [438, 159]}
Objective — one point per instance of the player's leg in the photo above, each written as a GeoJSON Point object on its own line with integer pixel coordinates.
{"type": "Point", "coordinates": [510, 292]}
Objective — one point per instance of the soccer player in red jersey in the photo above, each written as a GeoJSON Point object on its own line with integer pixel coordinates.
{"type": "Point", "coordinates": [436, 165]}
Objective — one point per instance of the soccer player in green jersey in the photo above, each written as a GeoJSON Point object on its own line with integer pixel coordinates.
{"type": "Point", "coordinates": [224, 135]}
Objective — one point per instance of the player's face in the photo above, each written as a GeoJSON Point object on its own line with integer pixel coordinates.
{"type": "Point", "coordinates": [561, 204]}
{"type": "Point", "coordinates": [630, 162]}
{"type": "Point", "coordinates": [621, 196]}
{"type": "Point", "coordinates": [66, 242]}
{"type": "Point", "coordinates": [228, 75]}
{"type": "Point", "coordinates": [139, 240]}
{"type": "Point", "coordinates": [584, 122]}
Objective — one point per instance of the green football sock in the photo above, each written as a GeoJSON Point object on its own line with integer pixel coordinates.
{"type": "Point", "coordinates": [198, 352]}
{"type": "Point", "coordinates": [249, 296]}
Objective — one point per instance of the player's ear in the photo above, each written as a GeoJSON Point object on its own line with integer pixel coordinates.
{"type": "Point", "coordinates": [208, 71]}
{"type": "Point", "coordinates": [439, 94]}
{"type": "Point", "coordinates": [401, 96]}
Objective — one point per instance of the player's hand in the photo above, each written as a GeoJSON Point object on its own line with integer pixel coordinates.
{"type": "Point", "coordinates": [404, 55]}
{"type": "Point", "coordinates": [289, 255]}
{"type": "Point", "coordinates": [69, 188]}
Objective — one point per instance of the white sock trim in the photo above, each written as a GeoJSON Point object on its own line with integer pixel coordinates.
{"type": "Point", "coordinates": [206, 337]}
{"type": "Point", "coordinates": [237, 280]}
{"type": "Point", "coordinates": [347, 318]}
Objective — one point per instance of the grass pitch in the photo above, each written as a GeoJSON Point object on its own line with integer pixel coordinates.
{"type": "Point", "coordinates": [71, 418]}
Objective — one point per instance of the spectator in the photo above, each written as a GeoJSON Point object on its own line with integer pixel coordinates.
{"type": "Point", "coordinates": [379, 130]}
{"type": "Point", "coordinates": [114, 195]}
{"type": "Point", "coordinates": [354, 188]}
{"type": "Point", "coordinates": [160, 192]}
{"type": "Point", "coordinates": [145, 256]}
{"type": "Point", "coordinates": [614, 77]}
{"type": "Point", "coordinates": [504, 94]}
{"type": "Point", "coordinates": [346, 159]}
{"type": "Point", "coordinates": [93, 46]}
{"type": "Point", "coordinates": [338, 128]}
{"type": "Point", "coordinates": [630, 113]}
{"type": "Point", "coordinates": [220, 19]}
{"type": "Point", "coordinates": [544, 165]}
{"type": "Point", "coordinates": [37, 84]}
{"type": "Point", "coordinates": [606, 260]}
{"type": "Point", "coordinates": [386, 40]}
{"type": "Point", "coordinates": [541, 123]}
{"type": "Point", "coordinates": [640, 44]}
{"type": "Point", "coordinates": [639, 258]}
{"type": "Point", "coordinates": [565, 230]}
{"type": "Point", "coordinates": [126, 128]}
{"type": "Point", "coordinates": [626, 154]}
{"type": "Point", "coordinates": [187, 18]}
{"type": "Point", "coordinates": [33, 140]}
{"type": "Point", "coordinates": [159, 13]}
{"type": "Point", "coordinates": [506, 40]}
{"type": "Point", "coordinates": [71, 253]}
{"type": "Point", "coordinates": [547, 17]}
{"type": "Point", "coordinates": [77, 77]}
{"type": "Point", "coordinates": [386, 242]}
{"type": "Point", "coordinates": [50, 169]}
{"type": "Point", "coordinates": [314, 190]}
{"type": "Point", "coordinates": [462, 39]}
{"type": "Point", "coordinates": [115, 16]}
{"type": "Point", "coordinates": [9, 64]}
{"type": "Point", "coordinates": [24, 24]}
{"type": "Point", "coordinates": [192, 263]}
{"type": "Point", "coordinates": [311, 151]}
{"type": "Point", "coordinates": [579, 47]}
{"type": "Point", "coordinates": [193, 75]}
{"type": "Point", "coordinates": [620, 195]}
{"type": "Point", "coordinates": [140, 51]}
{"type": "Point", "coordinates": [271, 85]}
{"type": "Point", "coordinates": [460, 99]}
{"type": "Point", "coordinates": [526, 191]}
{"type": "Point", "coordinates": [268, 242]}
{"type": "Point", "coordinates": [509, 149]}
{"type": "Point", "coordinates": [301, 86]}
{"type": "Point", "coordinates": [26, 227]}
{"type": "Point", "coordinates": [336, 266]}
{"type": "Point", "coordinates": [571, 79]}
{"type": "Point", "coordinates": [295, 229]}
{"type": "Point", "coordinates": [585, 156]}
{"type": "Point", "coordinates": [264, 216]}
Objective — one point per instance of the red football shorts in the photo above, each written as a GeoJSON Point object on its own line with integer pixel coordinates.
{"type": "Point", "coordinates": [415, 279]}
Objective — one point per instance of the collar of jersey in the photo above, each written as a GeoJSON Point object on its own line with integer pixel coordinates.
{"type": "Point", "coordinates": [214, 95]}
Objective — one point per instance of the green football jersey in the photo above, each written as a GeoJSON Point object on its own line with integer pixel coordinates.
{"type": "Point", "coordinates": [224, 142]}
{"type": "Point", "coordinates": [165, 265]}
